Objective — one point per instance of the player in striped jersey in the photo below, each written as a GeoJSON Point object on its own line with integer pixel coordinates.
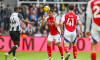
{"type": "Point", "coordinates": [15, 31]}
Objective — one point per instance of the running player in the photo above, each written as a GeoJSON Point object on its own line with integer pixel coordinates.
{"type": "Point", "coordinates": [15, 31]}
{"type": "Point", "coordinates": [93, 13]}
{"type": "Point", "coordinates": [54, 34]}
{"type": "Point", "coordinates": [70, 20]}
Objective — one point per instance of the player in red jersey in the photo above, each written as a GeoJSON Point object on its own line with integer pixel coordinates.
{"type": "Point", "coordinates": [54, 34]}
{"type": "Point", "coordinates": [93, 13]}
{"type": "Point", "coordinates": [70, 20]}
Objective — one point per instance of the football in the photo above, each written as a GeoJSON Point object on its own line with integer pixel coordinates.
{"type": "Point", "coordinates": [46, 8]}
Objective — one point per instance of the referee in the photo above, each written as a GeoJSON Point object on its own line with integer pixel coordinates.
{"type": "Point", "coordinates": [15, 31]}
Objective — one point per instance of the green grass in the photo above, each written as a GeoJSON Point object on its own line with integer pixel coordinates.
{"type": "Point", "coordinates": [43, 56]}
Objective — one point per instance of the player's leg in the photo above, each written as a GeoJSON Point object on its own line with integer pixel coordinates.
{"type": "Point", "coordinates": [94, 40]}
{"type": "Point", "coordinates": [18, 44]}
{"type": "Point", "coordinates": [58, 40]}
{"type": "Point", "coordinates": [49, 48]}
{"type": "Point", "coordinates": [61, 50]}
{"type": "Point", "coordinates": [73, 38]}
{"type": "Point", "coordinates": [93, 48]}
{"type": "Point", "coordinates": [66, 46]}
{"type": "Point", "coordinates": [12, 50]}
{"type": "Point", "coordinates": [74, 50]}
{"type": "Point", "coordinates": [49, 41]}
{"type": "Point", "coordinates": [15, 36]}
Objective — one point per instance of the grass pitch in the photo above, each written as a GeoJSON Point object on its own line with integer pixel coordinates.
{"type": "Point", "coordinates": [43, 56]}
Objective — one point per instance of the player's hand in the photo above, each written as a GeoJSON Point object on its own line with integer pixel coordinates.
{"type": "Point", "coordinates": [20, 32]}
{"type": "Point", "coordinates": [81, 34]}
{"type": "Point", "coordinates": [87, 34]}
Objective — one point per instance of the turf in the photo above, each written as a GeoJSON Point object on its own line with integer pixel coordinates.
{"type": "Point", "coordinates": [43, 56]}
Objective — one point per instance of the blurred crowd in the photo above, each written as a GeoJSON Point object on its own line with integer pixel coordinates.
{"type": "Point", "coordinates": [34, 13]}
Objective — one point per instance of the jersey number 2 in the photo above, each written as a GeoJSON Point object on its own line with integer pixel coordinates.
{"type": "Point", "coordinates": [96, 15]}
{"type": "Point", "coordinates": [69, 22]}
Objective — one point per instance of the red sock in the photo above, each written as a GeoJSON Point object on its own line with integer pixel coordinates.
{"type": "Point", "coordinates": [49, 50]}
{"type": "Point", "coordinates": [66, 49]}
{"type": "Point", "coordinates": [93, 56]}
{"type": "Point", "coordinates": [61, 50]}
{"type": "Point", "coordinates": [74, 52]}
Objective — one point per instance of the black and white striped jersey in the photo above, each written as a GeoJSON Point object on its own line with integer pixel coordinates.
{"type": "Point", "coordinates": [15, 22]}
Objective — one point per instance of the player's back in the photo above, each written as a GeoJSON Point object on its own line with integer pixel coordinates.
{"type": "Point", "coordinates": [14, 22]}
{"type": "Point", "coordinates": [70, 21]}
{"type": "Point", "coordinates": [95, 11]}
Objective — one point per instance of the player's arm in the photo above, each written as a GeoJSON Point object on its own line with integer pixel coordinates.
{"type": "Point", "coordinates": [25, 21]}
{"type": "Point", "coordinates": [56, 21]}
{"type": "Point", "coordinates": [43, 21]}
{"type": "Point", "coordinates": [62, 21]}
{"type": "Point", "coordinates": [80, 25]}
{"type": "Point", "coordinates": [88, 19]}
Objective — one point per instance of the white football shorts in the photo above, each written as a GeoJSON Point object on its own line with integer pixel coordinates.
{"type": "Point", "coordinates": [70, 36]}
{"type": "Point", "coordinates": [54, 37]}
{"type": "Point", "coordinates": [95, 36]}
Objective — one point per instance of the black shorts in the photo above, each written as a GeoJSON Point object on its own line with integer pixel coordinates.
{"type": "Point", "coordinates": [15, 35]}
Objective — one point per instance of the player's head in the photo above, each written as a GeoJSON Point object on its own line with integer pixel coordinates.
{"type": "Point", "coordinates": [16, 9]}
{"type": "Point", "coordinates": [71, 7]}
{"type": "Point", "coordinates": [51, 13]}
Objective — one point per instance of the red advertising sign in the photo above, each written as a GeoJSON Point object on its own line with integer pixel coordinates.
{"type": "Point", "coordinates": [40, 44]}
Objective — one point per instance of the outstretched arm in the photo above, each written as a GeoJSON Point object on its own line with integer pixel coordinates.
{"type": "Point", "coordinates": [25, 21]}
{"type": "Point", "coordinates": [43, 22]}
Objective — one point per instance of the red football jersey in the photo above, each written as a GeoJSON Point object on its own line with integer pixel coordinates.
{"type": "Point", "coordinates": [53, 29]}
{"type": "Point", "coordinates": [95, 7]}
{"type": "Point", "coordinates": [70, 21]}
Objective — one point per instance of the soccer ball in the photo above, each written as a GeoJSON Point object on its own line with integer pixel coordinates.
{"type": "Point", "coordinates": [46, 8]}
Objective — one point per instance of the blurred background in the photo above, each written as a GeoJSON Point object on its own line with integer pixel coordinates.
{"type": "Point", "coordinates": [32, 10]}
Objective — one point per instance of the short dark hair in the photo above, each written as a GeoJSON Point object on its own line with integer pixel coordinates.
{"type": "Point", "coordinates": [16, 8]}
{"type": "Point", "coordinates": [71, 6]}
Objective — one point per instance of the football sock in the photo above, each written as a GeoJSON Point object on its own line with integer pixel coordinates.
{"type": "Point", "coordinates": [66, 49]}
{"type": "Point", "coordinates": [14, 53]}
{"type": "Point", "coordinates": [74, 52]}
{"type": "Point", "coordinates": [13, 49]}
{"type": "Point", "coordinates": [93, 56]}
{"type": "Point", "coordinates": [61, 50]}
{"type": "Point", "coordinates": [49, 50]}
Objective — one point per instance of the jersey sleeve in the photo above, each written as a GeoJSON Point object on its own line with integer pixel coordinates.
{"type": "Point", "coordinates": [63, 18]}
{"type": "Point", "coordinates": [78, 18]}
{"type": "Point", "coordinates": [20, 16]}
{"type": "Point", "coordinates": [89, 16]}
